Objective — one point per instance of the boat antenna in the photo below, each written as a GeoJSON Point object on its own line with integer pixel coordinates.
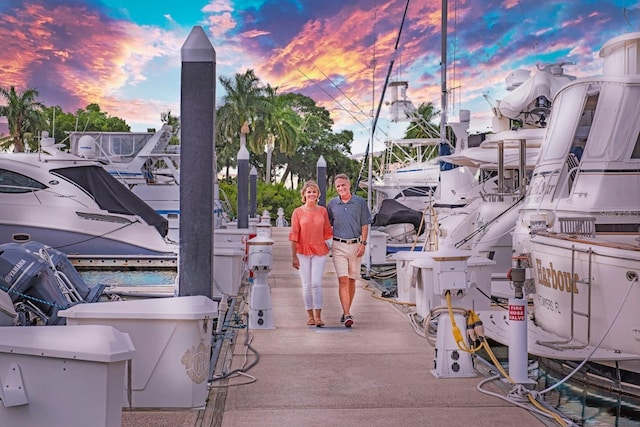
{"type": "Point", "coordinates": [341, 91]}
{"type": "Point", "coordinates": [332, 97]}
{"type": "Point", "coordinates": [367, 159]}
{"type": "Point", "coordinates": [443, 80]}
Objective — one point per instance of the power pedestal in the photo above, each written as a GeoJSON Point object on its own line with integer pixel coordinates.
{"type": "Point", "coordinates": [260, 261]}
{"type": "Point", "coordinates": [450, 276]}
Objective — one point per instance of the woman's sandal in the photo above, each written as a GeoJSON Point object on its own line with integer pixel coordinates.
{"type": "Point", "coordinates": [311, 321]}
{"type": "Point", "coordinates": [319, 323]}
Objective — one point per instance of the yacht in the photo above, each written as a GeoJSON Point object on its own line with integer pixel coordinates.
{"type": "Point", "coordinates": [476, 203]}
{"type": "Point", "coordinates": [577, 233]}
{"type": "Point", "coordinates": [75, 206]}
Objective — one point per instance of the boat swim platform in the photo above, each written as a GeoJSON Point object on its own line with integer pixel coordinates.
{"type": "Point", "coordinates": [102, 262]}
{"type": "Point", "coordinates": [377, 373]}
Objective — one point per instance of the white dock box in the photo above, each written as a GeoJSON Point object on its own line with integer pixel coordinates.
{"type": "Point", "coordinates": [70, 376]}
{"type": "Point", "coordinates": [227, 270]}
{"type": "Point", "coordinates": [378, 246]}
{"type": "Point", "coordinates": [231, 238]}
{"type": "Point", "coordinates": [406, 274]}
{"type": "Point", "coordinates": [172, 337]}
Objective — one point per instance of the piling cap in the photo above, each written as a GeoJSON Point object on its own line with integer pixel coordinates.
{"type": "Point", "coordinates": [197, 47]}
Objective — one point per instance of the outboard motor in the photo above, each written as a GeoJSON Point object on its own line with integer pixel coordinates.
{"type": "Point", "coordinates": [38, 289]}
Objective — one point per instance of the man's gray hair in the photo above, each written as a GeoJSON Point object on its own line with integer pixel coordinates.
{"type": "Point", "coordinates": [341, 176]}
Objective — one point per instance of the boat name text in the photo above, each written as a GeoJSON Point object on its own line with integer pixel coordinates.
{"type": "Point", "coordinates": [556, 279]}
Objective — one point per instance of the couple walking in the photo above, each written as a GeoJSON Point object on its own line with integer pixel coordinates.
{"type": "Point", "coordinates": [345, 224]}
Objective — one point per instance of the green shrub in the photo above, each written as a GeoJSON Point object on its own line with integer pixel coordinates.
{"type": "Point", "coordinates": [270, 197]}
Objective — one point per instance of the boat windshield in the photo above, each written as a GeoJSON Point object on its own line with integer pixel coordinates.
{"type": "Point", "coordinates": [12, 182]}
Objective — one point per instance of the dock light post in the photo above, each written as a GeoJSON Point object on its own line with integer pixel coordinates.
{"type": "Point", "coordinates": [197, 134]}
{"type": "Point", "coordinates": [243, 179]}
{"type": "Point", "coordinates": [321, 168]}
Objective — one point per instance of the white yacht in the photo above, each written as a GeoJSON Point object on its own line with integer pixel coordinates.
{"type": "Point", "coordinates": [479, 213]}
{"type": "Point", "coordinates": [148, 165]}
{"type": "Point", "coordinates": [578, 230]}
{"type": "Point", "coordinates": [75, 206]}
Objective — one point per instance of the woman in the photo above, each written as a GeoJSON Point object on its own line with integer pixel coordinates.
{"type": "Point", "coordinates": [310, 229]}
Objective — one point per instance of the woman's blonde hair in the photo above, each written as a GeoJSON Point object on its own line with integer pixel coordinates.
{"type": "Point", "coordinates": [306, 185]}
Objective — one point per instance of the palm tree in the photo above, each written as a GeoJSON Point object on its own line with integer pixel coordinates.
{"type": "Point", "coordinates": [24, 115]}
{"type": "Point", "coordinates": [276, 125]}
{"type": "Point", "coordinates": [243, 93]}
{"type": "Point", "coordinates": [422, 125]}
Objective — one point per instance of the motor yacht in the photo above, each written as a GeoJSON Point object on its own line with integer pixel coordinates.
{"type": "Point", "coordinates": [75, 206]}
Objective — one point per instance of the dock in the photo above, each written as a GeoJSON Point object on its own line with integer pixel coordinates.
{"type": "Point", "coordinates": [376, 373]}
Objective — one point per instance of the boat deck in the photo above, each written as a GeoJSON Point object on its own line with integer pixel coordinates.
{"type": "Point", "coordinates": [376, 373]}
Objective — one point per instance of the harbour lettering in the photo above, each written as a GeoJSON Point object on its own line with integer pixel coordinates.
{"type": "Point", "coordinates": [556, 279]}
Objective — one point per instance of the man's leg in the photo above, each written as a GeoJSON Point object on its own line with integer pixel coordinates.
{"type": "Point", "coordinates": [344, 294]}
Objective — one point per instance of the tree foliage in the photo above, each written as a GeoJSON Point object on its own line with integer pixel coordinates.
{"type": "Point", "coordinates": [25, 118]}
{"type": "Point", "coordinates": [89, 119]}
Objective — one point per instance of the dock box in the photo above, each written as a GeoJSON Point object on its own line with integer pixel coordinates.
{"type": "Point", "coordinates": [71, 376]}
{"type": "Point", "coordinates": [172, 337]}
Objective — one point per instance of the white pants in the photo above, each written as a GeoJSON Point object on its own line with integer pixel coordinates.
{"type": "Point", "coordinates": [311, 272]}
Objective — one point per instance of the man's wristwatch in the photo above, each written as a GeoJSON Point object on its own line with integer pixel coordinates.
{"type": "Point", "coordinates": [364, 242]}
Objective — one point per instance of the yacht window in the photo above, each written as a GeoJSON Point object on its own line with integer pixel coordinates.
{"type": "Point", "coordinates": [636, 149]}
{"type": "Point", "coordinates": [11, 182]}
{"type": "Point", "coordinates": [122, 145]}
{"type": "Point", "coordinates": [568, 113]}
{"type": "Point", "coordinates": [610, 138]}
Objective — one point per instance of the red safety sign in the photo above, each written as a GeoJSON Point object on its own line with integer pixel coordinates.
{"type": "Point", "coordinates": [516, 312]}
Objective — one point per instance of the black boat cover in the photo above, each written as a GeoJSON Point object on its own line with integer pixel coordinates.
{"type": "Point", "coordinates": [394, 212]}
{"type": "Point", "coordinates": [113, 196]}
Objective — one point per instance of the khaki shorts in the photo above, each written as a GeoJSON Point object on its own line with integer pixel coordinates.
{"type": "Point", "coordinates": [345, 261]}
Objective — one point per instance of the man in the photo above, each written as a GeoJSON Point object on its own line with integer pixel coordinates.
{"type": "Point", "coordinates": [350, 217]}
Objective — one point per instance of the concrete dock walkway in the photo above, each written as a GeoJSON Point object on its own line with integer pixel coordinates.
{"type": "Point", "coordinates": [376, 373]}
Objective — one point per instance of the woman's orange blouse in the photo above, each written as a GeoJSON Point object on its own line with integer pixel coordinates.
{"type": "Point", "coordinates": [310, 228]}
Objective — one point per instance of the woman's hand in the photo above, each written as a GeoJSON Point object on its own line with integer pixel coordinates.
{"type": "Point", "coordinates": [295, 262]}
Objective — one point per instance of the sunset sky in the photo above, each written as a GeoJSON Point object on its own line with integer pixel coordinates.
{"type": "Point", "coordinates": [125, 55]}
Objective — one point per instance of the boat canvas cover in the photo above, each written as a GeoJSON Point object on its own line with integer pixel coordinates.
{"type": "Point", "coordinates": [113, 196]}
{"type": "Point", "coordinates": [394, 212]}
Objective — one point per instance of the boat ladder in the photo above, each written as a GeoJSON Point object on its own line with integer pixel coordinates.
{"type": "Point", "coordinates": [571, 343]}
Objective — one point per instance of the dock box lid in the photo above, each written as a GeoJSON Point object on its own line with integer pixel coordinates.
{"type": "Point", "coordinates": [97, 343]}
{"type": "Point", "coordinates": [173, 308]}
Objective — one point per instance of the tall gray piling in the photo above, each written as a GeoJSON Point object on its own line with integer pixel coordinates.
{"type": "Point", "coordinates": [197, 120]}
{"type": "Point", "coordinates": [321, 173]}
{"type": "Point", "coordinates": [243, 187]}
{"type": "Point", "coordinates": [253, 192]}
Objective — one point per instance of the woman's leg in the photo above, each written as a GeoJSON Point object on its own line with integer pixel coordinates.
{"type": "Point", "coordinates": [305, 276]}
{"type": "Point", "coordinates": [317, 272]}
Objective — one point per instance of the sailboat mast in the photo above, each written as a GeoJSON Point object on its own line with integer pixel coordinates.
{"type": "Point", "coordinates": [443, 77]}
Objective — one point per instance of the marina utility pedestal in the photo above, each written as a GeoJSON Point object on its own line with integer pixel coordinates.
{"type": "Point", "coordinates": [260, 262]}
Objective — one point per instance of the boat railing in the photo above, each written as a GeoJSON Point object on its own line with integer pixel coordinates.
{"type": "Point", "coordinates": [483, 227]}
